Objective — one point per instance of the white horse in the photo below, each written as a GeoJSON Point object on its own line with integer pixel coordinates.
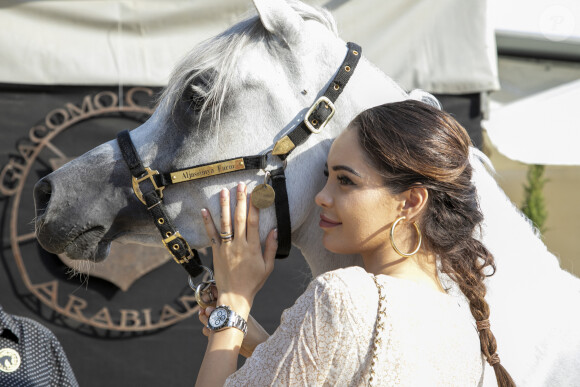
{"type": "Point", "coordinates": [236, 95]}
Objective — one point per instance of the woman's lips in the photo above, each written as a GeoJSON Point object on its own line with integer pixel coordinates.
{"type": "Point", "coordinates": [327, 223]}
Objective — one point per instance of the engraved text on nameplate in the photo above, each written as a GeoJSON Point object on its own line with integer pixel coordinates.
{"type": "Point", "coordinates": [207, 170]}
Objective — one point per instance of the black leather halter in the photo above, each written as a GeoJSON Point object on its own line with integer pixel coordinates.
{"type": "Point", "coordinates": [148, 184]}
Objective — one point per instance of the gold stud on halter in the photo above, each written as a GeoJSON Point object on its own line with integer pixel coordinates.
{"type": "Point", "coordinates": [392, 236]}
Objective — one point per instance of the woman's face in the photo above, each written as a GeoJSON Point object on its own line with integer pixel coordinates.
{"type": "Point", "coordinates": [357, 209]}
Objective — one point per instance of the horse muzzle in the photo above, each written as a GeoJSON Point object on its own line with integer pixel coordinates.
{"type": "Point", "coordinates": [58, 233]}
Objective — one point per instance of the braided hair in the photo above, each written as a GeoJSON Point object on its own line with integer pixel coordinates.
{"type": "Point", "coordinates": [412, 143]}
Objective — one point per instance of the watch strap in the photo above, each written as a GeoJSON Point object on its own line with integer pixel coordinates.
{"type": "Point", "coordinates": [238, 322]}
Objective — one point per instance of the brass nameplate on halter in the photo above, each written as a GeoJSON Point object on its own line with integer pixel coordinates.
{"type": "Point", "coordinates": [208, 170]}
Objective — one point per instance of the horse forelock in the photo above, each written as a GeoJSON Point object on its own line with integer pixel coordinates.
{"type": "Point", "coordinates": [207, 72]}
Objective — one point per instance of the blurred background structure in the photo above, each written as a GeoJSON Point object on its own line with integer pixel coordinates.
{"type": "Point", "coordinates": [74, 73]}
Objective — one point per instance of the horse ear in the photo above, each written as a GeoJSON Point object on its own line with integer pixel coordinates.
{"type": "Point", "coordinates": [280, 19]}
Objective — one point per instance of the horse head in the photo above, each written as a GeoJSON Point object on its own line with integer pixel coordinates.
{"type": "Point", "coordinates": [233, 95]}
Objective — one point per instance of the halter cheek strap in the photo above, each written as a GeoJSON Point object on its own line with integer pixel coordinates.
{"type": "Point", "coordinates": [172, 239]}
{"type": "Point", "coordinates": [282, 213]}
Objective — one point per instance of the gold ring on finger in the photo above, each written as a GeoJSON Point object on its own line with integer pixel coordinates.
{"type": "Point", "coordinates": [226, 236]}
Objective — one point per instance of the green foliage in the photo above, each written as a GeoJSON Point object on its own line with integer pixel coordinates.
{"type": "Point", "coordinates": [533, 206]}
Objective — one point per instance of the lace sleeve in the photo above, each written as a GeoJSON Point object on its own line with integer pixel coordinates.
{"type": "Point", "coordinates": [302, 349]}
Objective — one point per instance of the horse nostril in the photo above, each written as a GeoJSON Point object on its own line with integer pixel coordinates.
{"type": "Point", "coordinates": [42, 193]}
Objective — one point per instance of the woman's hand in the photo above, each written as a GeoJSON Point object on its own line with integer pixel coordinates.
{"type": "Point", "coordinates": [256, 333]}
{"type": "Point", "coordinates": [240, 268]}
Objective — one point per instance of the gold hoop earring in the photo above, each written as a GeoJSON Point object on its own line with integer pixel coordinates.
{"type": "Point", "coordinates": [392, 236]}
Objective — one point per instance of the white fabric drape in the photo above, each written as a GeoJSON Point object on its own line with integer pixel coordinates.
{"type": "Point", "coordinates": [445, 47]}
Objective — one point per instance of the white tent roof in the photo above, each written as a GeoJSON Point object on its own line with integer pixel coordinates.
{"type": "Point", "coordinates": [542, 125]}
{"type": "Point", "coordinates": [541, 28]}
{"type": "Point", "coordinates": [541, 129]}
{"type": "Point", "coordinates": [550, 20]}
{"type": "Point", "coordinates": [447, 48]}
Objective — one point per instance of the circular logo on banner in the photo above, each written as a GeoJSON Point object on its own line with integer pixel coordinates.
{"type": "Point", "coordinates": [134, 289]}
{"type": "Point", "coordinates": [9, 360]}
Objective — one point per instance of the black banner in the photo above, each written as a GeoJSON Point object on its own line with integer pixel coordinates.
{"type": "Point", "coordinates": [123, 322]}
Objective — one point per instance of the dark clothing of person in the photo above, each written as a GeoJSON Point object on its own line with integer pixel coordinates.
{"type": "Point", "coordinates": [30, 355]}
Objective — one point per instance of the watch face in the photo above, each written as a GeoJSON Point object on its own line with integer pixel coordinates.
{"type": "Point", "coordinates": [217, 317]}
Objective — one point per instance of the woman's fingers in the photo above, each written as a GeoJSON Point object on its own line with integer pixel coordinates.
{"type": "Point", "coordinates": [254, 237]}
{"type": "Point", "coordinates": [203, 318]}
{"type": "Point", "coordinates": [210, 229]}
{"type": "Point", "coordinates": [253, 223]}
{"type": "Point", "coordinates": [226, 221]}
{"type": "Point", "coordinates": [270, 250]}
{"type": "Point", "coordinates": [240, 212]}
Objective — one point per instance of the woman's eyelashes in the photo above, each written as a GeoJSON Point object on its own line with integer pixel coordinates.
{"type": "Point", "coordinates": [342, 179]}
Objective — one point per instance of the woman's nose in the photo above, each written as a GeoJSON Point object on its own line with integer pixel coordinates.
{"type": "Point", "coordinates": [322, 198]}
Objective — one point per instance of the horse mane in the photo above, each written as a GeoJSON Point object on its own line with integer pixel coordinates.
{"type": "Point", "coordinates": [205, 75]}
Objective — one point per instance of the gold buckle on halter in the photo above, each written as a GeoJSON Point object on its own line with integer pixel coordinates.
{"type": "Point", "coordinates": [329, 105]}
{"type": "Point", "coordinates": [174, 248]}
{"type": "Point", "coordinates": [148, 175]}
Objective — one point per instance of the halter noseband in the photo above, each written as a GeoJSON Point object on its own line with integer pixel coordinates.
{"type": "Point", "coordinates": [149, 184]}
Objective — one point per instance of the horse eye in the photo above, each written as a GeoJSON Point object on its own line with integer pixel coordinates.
{"type": "Point", "coordinates": [196, 94]}
{"type": "Point", "coordinates": [193, 99]}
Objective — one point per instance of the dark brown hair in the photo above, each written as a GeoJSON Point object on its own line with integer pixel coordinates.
{"type": "Point", "coordinates": [412, 143]}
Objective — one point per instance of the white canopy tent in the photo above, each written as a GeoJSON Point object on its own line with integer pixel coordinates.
{"type": "Point", "coordinates": [540, 126]}
{"type": "Point", "coordinates": [126, 42]}
{"type": "Point", "coordinates": [541, 129]}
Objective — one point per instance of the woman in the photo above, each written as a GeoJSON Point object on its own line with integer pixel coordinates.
{"type": "Point", "coordinates": [399, 194]}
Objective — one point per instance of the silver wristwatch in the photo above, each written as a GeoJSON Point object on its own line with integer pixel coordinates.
{"type": "Point", "coordinates": [223, 317]}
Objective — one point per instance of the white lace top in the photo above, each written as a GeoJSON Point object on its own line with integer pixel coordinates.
{"type": "Point", "coordinates": [325, 338]}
